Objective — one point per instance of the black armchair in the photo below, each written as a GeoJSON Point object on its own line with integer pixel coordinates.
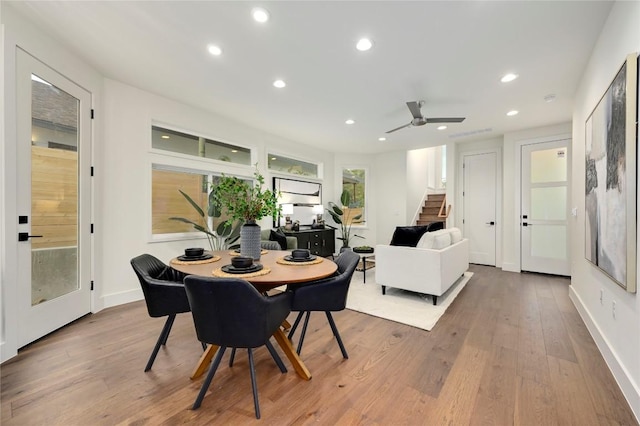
{"type": "Point", "coordinates": [164, 294]}
{"type": "Point", "coordinates": [230, 312]}
{"type": "Point", "coordinates": [328, 295]}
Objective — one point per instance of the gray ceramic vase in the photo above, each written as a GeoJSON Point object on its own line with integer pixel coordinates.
{"type": "Point", "coordinates": [250, 240]}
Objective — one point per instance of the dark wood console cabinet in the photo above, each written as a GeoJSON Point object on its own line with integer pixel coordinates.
{"type": "Point", "coordinates": [321, 242]}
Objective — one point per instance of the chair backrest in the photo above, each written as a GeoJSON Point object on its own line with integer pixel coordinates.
{"type": "Point", "coordinates": [162, 286]}
{"type": "Point", "coordinates": [329, 294]}
{"type": "Point", "coordinates": [231, 312]}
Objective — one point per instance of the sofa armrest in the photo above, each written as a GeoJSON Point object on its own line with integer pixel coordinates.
{"type": "Point", "coordinates": [422, 270]}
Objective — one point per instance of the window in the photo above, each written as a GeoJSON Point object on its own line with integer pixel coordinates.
{"type": "Point", "coordinates": [283, 164]}
{"type": "Point", "coordinates": [167, 201]}
{"type": "Point", "coordinates": [174, 141]}
{"type": "Point", "coordinates": [194, 173]}
{"type": "Point", "coordinates": [354, 182]}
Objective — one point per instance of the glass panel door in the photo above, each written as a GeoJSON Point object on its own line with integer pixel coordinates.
{"type": "Point", "coordinates": [53, 199]}
{"type": "Point", "coordinates": [54, 191]}
{"type": "Point", "coordinates": [544, 208]}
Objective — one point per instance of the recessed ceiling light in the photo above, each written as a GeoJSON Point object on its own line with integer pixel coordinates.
{"type": "Point", "coordinates": [382, 139]}
{"type": "Point", "coordinates": [273, 158]}
{"type": "Point", "coordinates": [214, 50]}
{"type": "Point", "coordinates": [260, 15]}
{"type": "Point", "coordinates": [364, 44]}
{"type": "Point", "coordinates": [165, 136]}
{"type": "Point", "coordinates": [512, 113]}
{"type": "Point", "coordinates": [442, 127]}
{"type": "Point", "coordinates": [234, 150]}
{"type": "Point", "coordinates": [550, 98]}
{"type": "Point", "coordinates": [508, 77]}
{"type": "Point", "coordinates": [349, 121]}
{"type": "Point", "coordinates": [279, 84]}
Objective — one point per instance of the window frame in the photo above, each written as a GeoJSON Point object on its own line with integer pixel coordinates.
{"type": "Point", "coordinates": [365, 208]}
{"type": "Point", "coordinates": [319, 165]}
{"type": "Point", "coordinates": [177, 162]}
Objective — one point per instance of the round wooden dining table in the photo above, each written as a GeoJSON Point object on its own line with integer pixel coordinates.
{"type": "Point", "coordinates": [279, 273]}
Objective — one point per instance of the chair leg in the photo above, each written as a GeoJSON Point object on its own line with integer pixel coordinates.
{"type": "Point", "coordinates": [204, 346]}
{"type": "Point", "coordinates": [232, 357]}
{"type": "Point", "coordinates": [295, 325]}
{"type": "Point", "coordinates": [162, 339]}
{"type": "Point", "coordinates": [336, 334]}
{"type": "Point", "coordinates": [276, 357]}
{"type": "Point", "coordinates": [207, 380]}
{"type": "Point", "coordinates": [254, 387]}
{"type": "Point", "coordinates": [168, 330]}
{"type": "Point", "coordinates": [304, 332]}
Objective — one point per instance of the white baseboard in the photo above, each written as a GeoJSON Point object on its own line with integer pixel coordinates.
{"type": "Point", "coordinates": [510, 267]}
{"type": "Point", "coordinates": [629, 389]}
{"type": "Point", "coordinates": [121, 298]}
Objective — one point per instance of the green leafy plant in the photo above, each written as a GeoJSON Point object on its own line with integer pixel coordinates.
{"type": "Point", "coordinates": [220, 237]}
{"type": "Point", "coordinates": [344, 219]}
{"type": "Point", "coordinates": [241, 199]}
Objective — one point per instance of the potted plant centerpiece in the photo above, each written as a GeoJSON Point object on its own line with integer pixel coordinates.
{"type": "Point", "coordinates": [344, 219]}
{"type": "Point", "coordinates": [244, 200]}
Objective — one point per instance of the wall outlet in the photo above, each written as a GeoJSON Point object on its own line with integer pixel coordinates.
{"type": "Point", "coordinates": [602, 296]}
{"type": "Point", "coordinates": [613, 309]}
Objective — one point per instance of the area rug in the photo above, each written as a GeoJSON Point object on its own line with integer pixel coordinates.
{"type": "Point", "coordinates": [398, 305]}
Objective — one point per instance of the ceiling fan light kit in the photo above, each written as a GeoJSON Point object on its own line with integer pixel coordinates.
{"type": "Point", "coordinates": [420, 120]}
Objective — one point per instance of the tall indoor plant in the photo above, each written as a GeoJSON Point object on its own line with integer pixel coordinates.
{"type": "Point", "coordinates": [344, 218]}
{"type": "Point", "coordinates": [220, 236]}
{"type": "Point", "coordinates": [247, 201]}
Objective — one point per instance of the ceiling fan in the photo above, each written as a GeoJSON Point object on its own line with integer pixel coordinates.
{"type": "Point", "coordinates": [420, 120]}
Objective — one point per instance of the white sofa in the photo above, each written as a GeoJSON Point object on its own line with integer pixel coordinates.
{"type": "Point", "coordinates": [439, 259]}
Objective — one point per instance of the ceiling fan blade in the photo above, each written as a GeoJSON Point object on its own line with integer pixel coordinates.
{"type": "Point", "coordinates": [398, 128]}
{"type": "Point", "coordinates": [446, 120]}
{"type": "Point", "coordinates": [414, 107]}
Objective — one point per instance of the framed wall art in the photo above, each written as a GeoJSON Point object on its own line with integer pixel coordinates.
{"type": "Point", "coordinates": [610, 178]}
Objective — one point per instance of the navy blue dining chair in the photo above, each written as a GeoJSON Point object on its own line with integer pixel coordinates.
{"type": "Point", "coordinates": [231, 313]}
{"type": "Point", "coordinates": [326, 295]}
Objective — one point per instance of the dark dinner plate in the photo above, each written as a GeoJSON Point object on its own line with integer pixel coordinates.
{"type": "Point", "coordinates": [290, 258]}
{"type": "Point", "coordinates": [193, 258]}
{"type": "Point", "coordinates": [230, 269]}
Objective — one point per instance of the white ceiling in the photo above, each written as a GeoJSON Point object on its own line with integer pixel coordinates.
{"type": "Point", "coordinates": [450, 54]}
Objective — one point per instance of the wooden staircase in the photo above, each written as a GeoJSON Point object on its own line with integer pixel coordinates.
{"type": "Point", "coordinates": [434, 209]}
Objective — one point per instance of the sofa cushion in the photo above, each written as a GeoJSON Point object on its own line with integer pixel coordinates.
{"type": "Point", "coordinates": [435, 226]}
{"type": "Point", "coordinates": [407, 236]}
{"type": "Point", "coordinates": [435, 240]}
{"type": "Point", "coordinates": [278, 235]}
{"type": "Point", "coordinates": [456, 235]}
{"type": "Point", "coordinates": [441, 239]}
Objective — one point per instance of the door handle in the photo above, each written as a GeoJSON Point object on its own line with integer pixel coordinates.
{"type": "Point", "coordinates": [24, 236]}
{"type": "Point", "coordinates": [490, 223]}
{"type": "Point", "coordinates": [526, 224]}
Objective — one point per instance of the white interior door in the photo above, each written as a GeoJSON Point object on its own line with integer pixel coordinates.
{"type": "Point", "coordinates": [53, 202]}
{"type": "Point", "coordinates": [544, 209]}
{"type": "Point", "coordinates": [479, 198]}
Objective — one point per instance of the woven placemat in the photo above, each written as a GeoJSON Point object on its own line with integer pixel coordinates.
{"type": "Point", "coordinates": [215, 258]}
{"type": "Point", "coordinates": [220, 273]}
{"type": "Point", "coordinates": [282, 261]}
{"type": "Point", "coordinates": [235, 253]}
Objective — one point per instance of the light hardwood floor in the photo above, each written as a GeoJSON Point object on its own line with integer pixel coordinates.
{"type": "Point", "coordinates": [511, 349]}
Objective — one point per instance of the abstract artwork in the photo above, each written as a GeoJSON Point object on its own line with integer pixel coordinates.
{"type": "Point", "coordinates": [610, 179]}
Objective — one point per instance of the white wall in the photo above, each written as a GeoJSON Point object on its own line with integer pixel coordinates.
{"type": "Point", "coordinates": [419, 162]}
{"type": "Point", "coordinates": [618, 338]}
{"type": "Point", "coordinates": [390, 186]}
{"type": "Point", "coordinates": [122, 157]}
{"type": "Point", "coordinates": [19, 32]}
{"type": "Point", "coordinates": [125, 170]}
